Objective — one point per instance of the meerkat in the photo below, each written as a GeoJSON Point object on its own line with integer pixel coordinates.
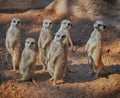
{"type": "Point", "coordinates": [44, 41]}
{"type": "Point", "coordinates": [65, 29]}
{"type": "Point", "coordinates": [28, 60]}
{"type": "Point", "coordinates": [94, 48]}
{"type": "Point", "coordinates": [56, 58]}
{"type": "Point", "coordinates": [13, 43]}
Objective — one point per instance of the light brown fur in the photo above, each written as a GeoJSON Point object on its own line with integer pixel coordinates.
{"type": "Point", "coordinates": [56, 58]}
{"type": "Point", "coordinates": [44, 42]}
{"type": "Point", "coordinates": [94, 48]}
{"type": "Point", "coordinates": [13, 43]}
{"type": "Point", "coordinates": [28, 60]}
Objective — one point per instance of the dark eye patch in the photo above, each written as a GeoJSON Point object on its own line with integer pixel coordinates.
{"type": "Point", "coordinates": [18, 22]}
{"type": "Point", "coordinates": [50, 23]}
{"type": "Point", "coordinates": [63, 36]}
{"type": "Point", "coordinates": [32, 43]}
{"type": "Point", "coordinates": [99, 25]}
{"type": "Point", "coordinates": [28, 42]}
{"type": "Point", "coordinates": [58, 35]}
{"type": "Point", "coordinates": [69, 23]}
{"type": "Point", "coordinates": [14, 21]}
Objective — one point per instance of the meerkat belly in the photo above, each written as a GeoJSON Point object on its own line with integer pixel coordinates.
{"type": "Point", "coordinates": [96, 54]}
{"type": "Point", "coordinates": [60, 59]}
{"type": "Point", "coordinates": [15, 37]}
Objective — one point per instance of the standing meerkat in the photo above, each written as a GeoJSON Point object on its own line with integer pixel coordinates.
{"type": "Point", "coordinates": [56, 58]}
{"type": "Point", "coordinates": [65, 30]}
{"type": "Point", "coordinates": [94, 48]}
{"type": "Point", "coordinates": [28, 60]}
{"type": "Point", "coordinates": [44, 41]}
{"type": "Point", "coordinates": [13, 43]}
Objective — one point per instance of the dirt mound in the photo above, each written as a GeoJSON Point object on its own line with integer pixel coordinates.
{"type": "Point", "coordinates": [101, 88]}
{"type": "Point", "coordinates": [18, 90]}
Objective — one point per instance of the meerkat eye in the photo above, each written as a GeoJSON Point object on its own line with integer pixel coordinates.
{"type": "Point", "coordinates": [104, 26]}
{"type": "Point", "coordinates": [18, 22]}
{"type": "Point", "coordinates": [99, 25]}
{"type": "Point", "coordinates": [58, 35]}
{"type": "Point", "coordinates": [28, 42]}
{"type": "Point", "coordinates": [63, 36]}
{"type": "Point", "coordinates": [14, 21]}
{"type": "Point", "coordinates": [46, 23]}
{"type": "Point", "coordinates": [32, 43]}
{"type": "Point", "coordinates": [64, 23]}
{"type": "Point", "coordinates": [50, 23]}
{"type": "Point", "coordinates": [69, 23]}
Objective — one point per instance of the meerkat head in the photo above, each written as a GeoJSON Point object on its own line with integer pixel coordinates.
{"type": "Point", "coordinates": [66, 24]}
{"type": "Point", "coordinates": [59, 37]}
{"type": "Point", "coordinates": [30, 43]}
{"type": "Point", "coordinates": [47, 23]}
{"type": "Point", "coordinates": [15, 22]}
{"type": "Point", "coordinates": [99, 25]}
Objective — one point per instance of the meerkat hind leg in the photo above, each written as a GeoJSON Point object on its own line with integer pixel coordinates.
{"type": "Point", "coordinates": [58, 75]}
{"type": "Point", "coordinates": [91, 64]}
{"type": "Point", "coordinates": [44, 69]}
{"type": "Point", "coordinates": [15, 60]}
{"type": "Point", "coordinates": [26, 77]}
{"type": "Point", "coordinates": [51, 79]}
{"type": "Point", "coordinates": [97, 70]}
{"type": "Point", "coordinates": [8, 59]}
{"type": "Point", "coordinates": [105, 68]}
{"type": "Point", "coordinates": [43, 60]}
{"type": "Point", "coordinates": [33, 80]}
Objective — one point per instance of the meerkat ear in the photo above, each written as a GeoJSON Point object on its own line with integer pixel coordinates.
{"type": "Point", "coordinates": [95, 25]}
{"type": "Point", "coordinates": [55, 34]}
{"type": "Point", "coordinates": [62, 21]}
{"type": "Point", "coordinates": [26, 40]}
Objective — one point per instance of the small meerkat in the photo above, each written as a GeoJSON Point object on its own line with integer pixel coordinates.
{"type": "Point", "coordinates": [44, 41]}
{"type": "Point", "coordinates": [13, 43]}
{"type": "Point", "coordinates": [28, 60]}
{"type": "Point", "coordinates": [56, 58]}
{"type": "Point", "coordinates": [94, 48]}
{"type": "Point", "coordinates": [65, 29]}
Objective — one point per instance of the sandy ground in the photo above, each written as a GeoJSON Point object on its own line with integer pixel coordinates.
{"type": "Point", "coordinates": [79, 83]}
